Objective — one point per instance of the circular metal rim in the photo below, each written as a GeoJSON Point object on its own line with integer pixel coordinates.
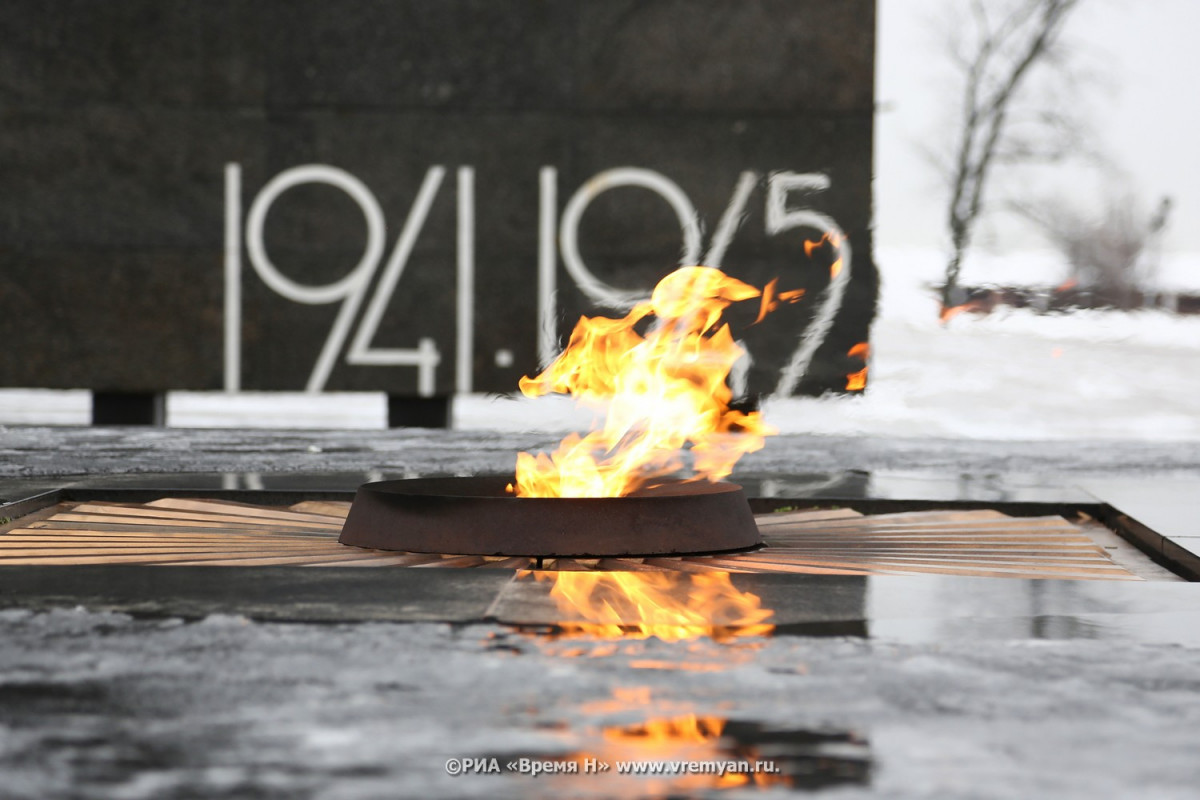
{"type": "Point", "coordinates": [475, 516]}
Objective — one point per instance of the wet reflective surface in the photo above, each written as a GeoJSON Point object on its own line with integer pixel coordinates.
{"type": "Point", "coordinates": [901, 485]}
{"type": "Point", "coordinates": [845, 485]}
{"type": "Point", "coordinates": [915, 608]}
{"type": "Point", "coordinates": [973, 608]}
{"type": "Point", "coordinates": [641, 605]}
{"type": "Point", "coordinates": [96, 704]}
{"type": "Point", "coordinates": [898, 608]}
{"type": "Point", "coordinates": [664, 756]}
{"type": "Point", "coordinates": [213, 683]}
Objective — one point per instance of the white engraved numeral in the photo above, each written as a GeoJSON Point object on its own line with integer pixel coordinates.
{"type": "Point", "coordinates": [425, 357]}
{"type": "Point", "coordinates": [351, 289]}
{"type": "Point", "coordinates": [780, 218]}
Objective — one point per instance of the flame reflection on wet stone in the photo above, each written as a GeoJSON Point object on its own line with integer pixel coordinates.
{"type": "Point", "coordinates": [757, 754]}
{"type": "Point", "coordinates": [640, 605]}
{"type": "Point", "coordinates": [665, 754]}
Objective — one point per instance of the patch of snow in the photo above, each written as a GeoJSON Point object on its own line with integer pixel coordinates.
{"type": "Point", "coordinates": [294, 410]}
{"type": "Point", "coordinates": [45, 407]}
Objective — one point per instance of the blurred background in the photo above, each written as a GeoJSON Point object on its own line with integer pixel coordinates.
{"type": "Point", "coordinates": [1080, 308]}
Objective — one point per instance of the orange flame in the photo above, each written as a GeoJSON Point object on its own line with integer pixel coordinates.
{"type": "Point", "coordinates": [771, 299]}
{"type": "Point", "coordinates": [660, 391]}
{"type": "Point", "coordinates": [639, 605]}
{"type": "Point", "coordinates": [691, 735]}
{"type": "Point", "coordinates": [689, 728]}
{"type": "Point", "coordinates": [950, 312]}
{"type": "Point", "coordinates": [683, 735]}
{"type": "Point", "coordinates": [857, 381]}
{"type": "Point", "coordinates": [831, 239]}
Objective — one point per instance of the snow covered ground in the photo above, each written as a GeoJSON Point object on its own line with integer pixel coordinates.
{"type": "Point", "coordinates": [1015, 374]}
{"type": "Point", "coordinates": [1011, 375]}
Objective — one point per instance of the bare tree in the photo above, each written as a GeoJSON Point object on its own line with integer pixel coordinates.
{"type": "Point", "coordinates": [996, 54]}
{"type": "Point", "coordinates": [1112, 254]}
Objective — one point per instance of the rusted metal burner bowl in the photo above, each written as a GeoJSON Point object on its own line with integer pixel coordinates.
{"type": "Point", "coordinates": [476, 516]}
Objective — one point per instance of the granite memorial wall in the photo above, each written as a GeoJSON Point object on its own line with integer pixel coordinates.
{"type": "Point", "coordinates": [421, 197]}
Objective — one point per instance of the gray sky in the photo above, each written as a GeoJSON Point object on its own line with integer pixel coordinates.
{"type": "Point", "coordinates": [1142, 102]}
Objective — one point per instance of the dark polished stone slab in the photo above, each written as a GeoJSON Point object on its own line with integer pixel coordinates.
{"type": "Point", "coordinates": [245, 487]}
{"type": "Point", "coordinates": [1164, 628]}
{"type": "Point", "coordinates": [909, 608]}
{"type": "Point", "coordinates": [994, 490]}
{"type": "Point", "coordinates": [311, 594]}
{"type": "Point", "coordinates": [767, 492]}
{"type": "Point", "coordinates": [920, 607]}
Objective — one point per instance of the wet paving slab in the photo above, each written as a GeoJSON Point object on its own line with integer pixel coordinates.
{"type": "Point", "coordinates": [705, 751]}
{"type": "Point", "coordinates": [846, 485]}
{"type": "Point", "coordinates": [105, 705]}
{"type": "Point", "coordinates": [265, 593]}
{"type": "Point", "coordinates": [907, 608]}
{"type": "Point", "coordinates": [177, 682]}
{"type": "Point", "coordinates": [902, 608]}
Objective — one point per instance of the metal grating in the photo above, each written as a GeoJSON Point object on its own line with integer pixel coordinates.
{"type": "Point", "coordinates": [198, 532]}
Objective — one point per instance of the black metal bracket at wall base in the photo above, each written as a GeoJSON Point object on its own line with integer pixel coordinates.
{"type": "Point", "coordinates": [418, 412]}
{"type": "Point", "coordinates": [129, 408]}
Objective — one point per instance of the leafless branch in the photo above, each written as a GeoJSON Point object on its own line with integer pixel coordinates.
{"type": "Point", "coordinates": [1111, 253]}
{"type": "Point", "coordinates": [1005, 52]}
